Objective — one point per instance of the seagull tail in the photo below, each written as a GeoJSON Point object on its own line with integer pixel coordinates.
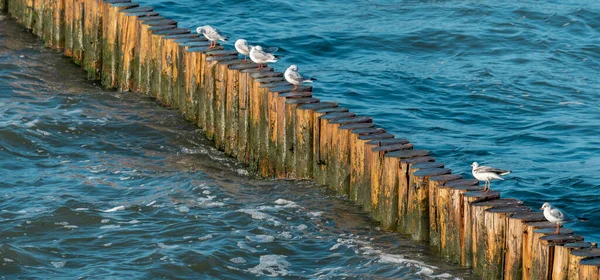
{"type": "Point", "coordinates": [312, 79]}
{"type": "Point", "coordinates": [581, 219]}
{"type": "Point", "coordinates": [506, 172]}
{"type": "Point", "coordinates": [224, 38]}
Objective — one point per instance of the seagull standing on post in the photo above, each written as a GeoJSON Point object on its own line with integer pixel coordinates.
{"type": "Point", "coordinates": [293, 77]}
{"type": "Point", "coordinates": [486, 173]}
{"type": "Point", "coordinates": [243, 48]}
{"type": "Point", "coordinates": [212, 34]}
{"type": "Point", "coordinates": [258, 56]}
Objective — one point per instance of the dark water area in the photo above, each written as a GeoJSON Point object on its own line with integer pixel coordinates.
{"type": "Point", "coordinates": [510, 84]}
{"type": "Point", "coordinates": [99, 184]}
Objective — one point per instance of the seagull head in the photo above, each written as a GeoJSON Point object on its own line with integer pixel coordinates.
{"type": "Point", "coordinates": [474, 164]}
{"type": "Point", "coordinates": [258, 48]}
{"type": "Point", "coordinates": [545, 206]}
{"type": "Point", "coordinates": [200, 29]}
{"type": "Point", "coordinates": [293, 67]}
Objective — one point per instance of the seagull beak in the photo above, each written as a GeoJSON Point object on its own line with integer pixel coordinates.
{"type": "Point", "coordinates": [542, 208]}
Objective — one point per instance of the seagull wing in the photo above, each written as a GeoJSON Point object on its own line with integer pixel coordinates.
{"type": "Point", "coordinates": [294, 75]}
{"type": "Point", "coordinates": [557, 213]}
{"type": "Point", "coordinates": [492, 170]}
{"type": "Point", "coordinates": [271, 49]}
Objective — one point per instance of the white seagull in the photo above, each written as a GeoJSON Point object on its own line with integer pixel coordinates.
{"type": "Point", "coordinates": [486, 173]}
{"type": "Point", "coordinates": [242, 47]}
{"type": "Point", "coordinates": [260, 57]}
{"type": "Point", "coordinates": [293, 77]}
{"type": "Point", "coordinates": [212, 34]}
{"type": "Point", "coordinates": [555, 215]}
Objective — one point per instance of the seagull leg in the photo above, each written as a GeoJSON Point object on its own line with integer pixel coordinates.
{"type": "Point", "coordinates": [295, 87]}
{"type": "Point", "coordinates": [245, 58]}
{"type": "Point", "coordinates": [557, 229]}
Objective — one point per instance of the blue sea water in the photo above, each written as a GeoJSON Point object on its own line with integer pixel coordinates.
{"type": "Point", "coordinates": [510, 84]}
{"type": "Point", "coordinates": [99, 184]}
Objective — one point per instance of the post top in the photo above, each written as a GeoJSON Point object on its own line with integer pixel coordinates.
{"type": "Point", "coordinates": [529, 216]}
{"type": "Point", "coordinates": [221, 58]}
{"type": "Point", "coordinates": [354, 126]}
{"type": "Point", "coordinates": [430, 172]}
{"type": "Point", "coordinates": [256, 70]}
{"type": "Point", "coordinates": [391, 148]}
{"type": "Point", "coordinates": [221, 53]}
{"type": "Point", "coordinates": [337, 115]}
{"type": "Point", "coordinates": [445, 178]}
{"type": "Point", "coordinates": [268, 80]}
{"type": "Point", "coordinates": [552, 230]}
{"type": "Point", "coordinates": [587, 252]}
{"type": "Point", "coordinates": [301, 100]}
{"type": "Point", "coordinates": [462, 183]}
{"type": "Point", "coordinates": [171, 31]}
{"type": "Point", "coordinates": [294, 94]}
{"type": "Point", "coordinates": [317, 106]}
{"type": "Point", "coordinates": [387, 141]}
{"type": "Point", "coordinates": [136, 10]}
{"type": "Point", "coordinates": [428, 164]}
{"type": "Point", "coordinates": [243, 66]}
{"type": "Point", "coordinates": [498, 202]}
{"type": "Point", "coordinates": [370, 137]}
{"type": "Point", "coordinates": [331, 109]}
{"type": "Point", "coordinates": [274, 84]}
{"type": "Point", "coordinates": [354, 119]}
{"type": "Point", "coordinates": [289, 87]}
{"type": "Point", "coordinates": [158, 22]}
{"type": "Point", "coordinates": [408, 154]}
{"type": "Point", "coordinates": [366, 131]}
{"type": "Point", "coordinates": [266, 74]}
{"type": "Point", "coordinates": [509, 209]}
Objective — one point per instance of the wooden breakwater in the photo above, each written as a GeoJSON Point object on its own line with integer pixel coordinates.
{"type": "Point", "coordinates": [256, 117]}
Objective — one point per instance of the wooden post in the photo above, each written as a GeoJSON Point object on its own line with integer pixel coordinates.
{"type": "Point", "coordinates": [496, 224]}
{"type": "Point", "coordinates": [194, 61]}
{"type": "Point", "coordinates": [181, 86]}
{"type": "Point", "coordinates": [467, 252]}
{"type": "Point", "coordinates": [110, 30]}
{"type": "Point", "coordinates": [77, 29]}
{"type": "Point", "coordinates": [360, 176]}
{"type": "Point", "coordinates": [56, 37]}
{"type": "Point", "coordinates": [142, 58]}
{"type": "Point", "coordinates": [325, 143]}
{"type": "Point", "coordinates": [576, 257]}
{"type": "Point", "coordinates": [291, 105]}
{"type": "Point", "coordinates": [161, 83]}
{"type": "Point", "coordinates": [339, 167]}
{"type": "Point", "coordinates": [69, 17]}
{"type": "Point", "coordinates": [529, 244]}
{"type": "Point", "coordinates": [3, 5]}
{"type": "Point", "coordinates": [544, 253]}
{"type": "Point", "coordinates": [126, 41]}
{"type": "Point", "coordinates": [357, 158]}
{"type": "Point", "coordinates": [439, 207]}
{"type": "Point", "coordinates": [560, 267]}
{"type": "Point", "coordinates": [305, 119]}
{"type": "Point", "coordinates": [589, 269]}
{"type": "Point", "coordinates": [319, 157]}
{"type": "Point", "coordinates": [479, 230]}
{"type": "Point", "coordinates": [384, 198]}
{"type": "Point", "coordinates": [453, 240]}
{"type": "Point", "coordinates": [516, 234]}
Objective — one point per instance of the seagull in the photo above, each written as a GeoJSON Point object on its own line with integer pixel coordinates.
{"type": "Point", "coordinates": [243, 48]}
{"type": "Point", "coordinates": [212, 34]}
{"type": "Point", "coordinates": [260, 57]}
{"type": "Point", "coordinates": [486, 173]}
{"type": "Point", "coordinates": [293, 77]}
{"type": "Point", "coordinates": [555, 215]}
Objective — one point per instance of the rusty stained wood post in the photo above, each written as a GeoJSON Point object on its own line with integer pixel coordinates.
{"type": "Point", "coordinates": [479, 230]}
{"type": "Point", "coordinates": [417, 214]}
{"type": "Point", "coordinates": [452, 240]}
{"type": "Point", "coordinates": [193, 80]}
{"type": "Point", "coordinates": [110, 32]}
{"type": "Point", "coordinates": [353, 132]}
{"type": "Point", "coordinates": [142, 57]}
{"type": "Point", "coordinates": [92, 39]}
{"type": "Point", "coordinates": [57, 16]}
{"type": "Point", "coordinates": [467, 251]}
{"type": "Point", "coordinates": [293, 101]}
{"type": "Point", "coordinates": [220, 94]}
{"type": "Point", "coordinates": [319, 157]}
{"type": "Point", "coordinates": [576, 257]}
{"type": "Point", "coordinates": [77, 30]}
{"type": "Point", "coordinates": [3, 5]}
{"type": "Point", "coordinates": [540, 253]}
{"type": "Point", "coordinates": [516, 233]}
{"type": "Point", "coordinates": [357, 158]}
{"type": "Point", "coordinates": [382, 196]}
{"type": "Point", "coordinates": [496, 223]}
{"type": "Point", "coordinates": [127, 39]}
{"type": "Point", "coordinates": [589, 269]}
{"type": "Point", "coordinates": [323, 135]}
{"type": "Point", "coordinates": [175, 47]}
{"type": "Point", "coordinates": [305, 117]}
{"type": "Point", "coordinates": [340, 161]}
{"type": "Point", "coordinates": [37, 23]}
{"type": "Point", "coordinates": [545, 252]}
{"type": "Point", "coordinates": [162, 81]}
{"type": "Point", "coordinates": [182, 83]}
{"type": "Point", "coordinates": [27, 19]}
{"type": "Point", "coordinates": [562, 253]}
{"type": "Point", "coordinates": [529, 243]}
{"type": "Point", "coordinates": [69, 18]}
{"type": "Point", "coordinates": [360, 176]}
{"type": "Point", "coordinates": [243, 110]}
{"type": "Point", "coordinates": [439, 207]}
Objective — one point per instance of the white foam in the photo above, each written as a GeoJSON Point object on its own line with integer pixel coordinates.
{"type": "Point", "coordinates": [261, 238]}
{"type": "Point", "coordinates": [151, 203]}
{"type": "Point", "coordinates": [82, 209]}
{"type": "Point", "coordinates": [183, 209]}
{"type": "Point", "coordinates": [32, 123]}
{"type": "Point", "coordinates": [110, 226]}
{"type": "Point", "coordinates": [58, 264]}
{"type": "Point", "coordinates": [105, 221]}
{"type": "Point", "coordinates": [242, 172]}
{"type": "Point", "coordinates": [107, 244]}
{"type": "Point", "coordinates": [70, 226]}
{"type": "Point", "coordinates": [302, 227]}
{"type": "Point", "coordinates": [206, 237]}
{"type": "Point", "coordinates": [8, 260]}
{"type": "Point", "coordinates": [238, 260]}
{"type": "Point", "coordinates": [315, 214]}
{"type": "Point", "coordinates": [114, 209]}
{"type": "Point", "coordinates": [242, 245]}
{"type": "Point", "coordinates": [286, 203]}
{"type": "Point", "coordinates": [271, 265]}
{"type": "Point", "coordinates": [164, 246]}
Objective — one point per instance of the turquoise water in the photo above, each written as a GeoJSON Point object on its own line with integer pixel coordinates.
{"type": "Point", "coordinates": [98, 184]}
{"type": "Point", "coordinates": [514, 85]}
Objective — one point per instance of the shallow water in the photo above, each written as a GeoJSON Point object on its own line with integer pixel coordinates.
{"type": "Point", "coordinates": [104, 185]}
{"type": "Point", "coordinates": [513, 85]}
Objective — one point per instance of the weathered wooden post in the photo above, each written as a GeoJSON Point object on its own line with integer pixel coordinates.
{"type": "Point", "coordinates": [560, 267]}
{"type": "Point", "coordinates": [467, 249]}
{"type": "Point", "coordinates": [379, 202]}
{"type": "Point", "coordinates": [575, 259]}
{"type": "Point", "coordinates": [417, 214]}
{"type": "Point", "coordinates": [110, 30]}
{"type": "Point", "coordinates": [453, 240]}
{"type": "Point", "coordinates": [162, 63]}
{"type": "Point", "coordinates": [589, 269]}
{"type": "Point", "coordinates": [319, 157]}
{"type": "Point", "coordinates": [516, 234]}
{"type": "Point", "coordinates": [357, 158]}
{"type": "Point", "coordinates": [544, 253]}
{"type": "Point", "coordinates": [192, 80]}
{"type": "Point", "coordinates": [126, 41]}
{"type": "Point", "coordinates": [479, 230]}
{"type": "Point", "coordinates": [325, 142]}
{"type": "Point", "coordinates": [360, 190]}
{"type": "Point", "coordinates": [182, 83]}
{"type": "Point", "coordinates": [77, 29]}
{"type": "Point", "coordinates": [439, 206]}
{"type": "Point", "coordinates": [305, 117]}
{"type": "Point", "coordinates": [293, 101]}
{"type": "Point", "coordinates": [142, 57]}
{"type": "Point", "coordinates": [496, 223]}
{"type": "Point", "coordinates": [37, 16]}
{"type": "Point", "coordinates": [530, 239]}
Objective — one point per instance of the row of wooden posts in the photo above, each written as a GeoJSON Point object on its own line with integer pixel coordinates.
{"type": "Point", "coordinates": [254, 116]}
